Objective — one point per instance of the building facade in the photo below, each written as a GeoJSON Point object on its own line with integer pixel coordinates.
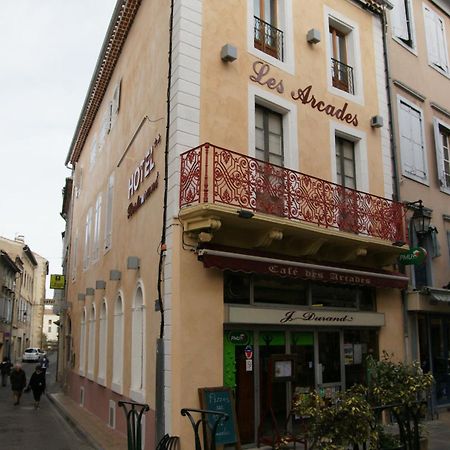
{"type": "Point", "coordinates": [230, 215]}
{"type": "Point", "coordinates": [23, 308]}
{"type": "Point", "coordinates": [418, 39]}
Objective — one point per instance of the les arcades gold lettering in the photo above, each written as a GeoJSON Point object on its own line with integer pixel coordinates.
{"type": "Point", "coordinates": [262, 76]}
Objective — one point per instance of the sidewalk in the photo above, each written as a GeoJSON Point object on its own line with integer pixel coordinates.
{"type": "Point", "coordinates": [88, 425]}
{"type": "Point", "coordinates": [439, 432]}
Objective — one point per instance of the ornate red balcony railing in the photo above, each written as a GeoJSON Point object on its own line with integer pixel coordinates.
{"type": "Point", "coordinates": [211, 174]}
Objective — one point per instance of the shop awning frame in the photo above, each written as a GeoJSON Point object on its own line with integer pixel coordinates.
{"type": "Point", "coordinates": [286, 268]}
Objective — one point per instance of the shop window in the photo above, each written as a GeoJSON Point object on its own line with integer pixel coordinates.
{"type": "Point", "coordinates": [268, 37]}
{"type": "Point", "coordinates": [436, 41]}
{"type": "Point", "coordinates": [412, 144]}
{"type": "Point", "coordinates": [236, 288]}
{"type": "Point", "coordinates": [333, 296]}
{"type": "Point", "coordinates": [280, 291]}
{"type": "Point", "coordinates": [402, 22]}
{"type": "Point", "coordinates": [442, 143]}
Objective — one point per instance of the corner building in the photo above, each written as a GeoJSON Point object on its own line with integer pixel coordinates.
{"type": "Point", "coordinates": [234, 216]}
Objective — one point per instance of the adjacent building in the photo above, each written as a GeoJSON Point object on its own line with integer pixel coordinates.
{"type": "Point", "coordinates": [418, 40]}
{"type": "Point", "coordinates": [233, 217]}
{"type": "Point", "coordinates": [22, 297]}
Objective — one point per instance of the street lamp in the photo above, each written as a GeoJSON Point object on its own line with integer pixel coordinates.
{"type": "Point", "coordinates": [421, 218]}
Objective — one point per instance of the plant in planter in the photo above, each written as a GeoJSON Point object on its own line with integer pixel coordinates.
{"type": "Point", "coordinates": [335, 424]}
{"type": "Point", "coordinates": [401, 389]}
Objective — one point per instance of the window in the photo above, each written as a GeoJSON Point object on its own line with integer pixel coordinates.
{"type": "Point", "coordinates": [50, 321]}
{"type": "Point", "coordinates": [82, 342]}
{"type": "Point", "coordinates": [269, 179]}
{"type": "Point", "coordinates": [49, 329]}
{"type": "Point", "coordinates": [117, 375]}
{"type": "Point", "coordinates": [345, 163]}
{"type": "Point", "coordinates": [74, 257]}
{"type": "Point", "coordinates": [412, 145]}
{"type": "Point", "coordinates": [442, 143]}
{"type": "Point", "coordinates": [102, 349]}
{"type": "Point", "coordinates": [436, 42]}
{"type": "Point", "coordinates": [109, 211]}
{"type": "Point", "coordinates": [137, 343]}
{"type": "Point", "coordinates": [341, 71]}
{"type": "Point", "coordinates": [267, 35]}
{"type": "Point", "coordinates": [97, 221]}
{"type": "Point", "coordinates": [91, 346]}
{"type": "Point", "coordinates": [87, 239]}
{"type": "Point", "coordinates": [402, 23]}
{"type": "Point", "coordinates": [93, 155]}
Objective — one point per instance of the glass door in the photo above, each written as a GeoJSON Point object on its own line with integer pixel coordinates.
{"type": "Point", "coordinates": [329, 366]}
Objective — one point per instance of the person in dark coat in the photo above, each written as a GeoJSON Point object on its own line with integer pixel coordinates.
{"type": "Point", "coordinates": [37, 384]}
{"type": "Point", "coordinates": [5, 369]}
{"type": "Point", "coordinates": [18, 382]}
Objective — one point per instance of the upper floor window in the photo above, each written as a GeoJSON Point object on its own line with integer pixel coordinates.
{"type": "Point", "coordinates": [268, 36]}
{"type": "Point", "coordinates": [442, 141]}
{"type": "Point", "coordinates": [412, 144]}
{"type": "Point", "coordinates": [341, 71]}
{"type": "Point", "coordinates": [268, 135]}
{"type": "Point", "coordinates": [345, 163]}
{"type": "Point", "coordinates": [402, 23]}
{"type": "Point", "coordinates": [436, 42]}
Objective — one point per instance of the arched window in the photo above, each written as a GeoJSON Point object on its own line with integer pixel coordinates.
{"type": "Point", "coordinates": [102, 341]}
{"type": "Point", "coordinates": [118, 344]}
{"type": "Point", "coordinates": [91, 346]}
{"type": "Point", "coordinates": [137, 342]}
{"type": "Point", "coordinates": [83, 342]}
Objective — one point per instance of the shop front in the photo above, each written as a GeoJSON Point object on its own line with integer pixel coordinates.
{"type": "Point", "coordinates": [284, 336]}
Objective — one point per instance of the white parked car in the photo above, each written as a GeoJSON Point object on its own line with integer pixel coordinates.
{"type": "Point", "coordinates": [32, 354]}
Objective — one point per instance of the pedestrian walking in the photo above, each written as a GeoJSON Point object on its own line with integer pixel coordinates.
{"type": "Point", "coordinates": [18, 381]}
{"type": "Point", "coordinates": [37, 385]}
{"type": "Point", "coordinates": [44, 364]}
{"type": "Point", "coordinates": [5, 369]}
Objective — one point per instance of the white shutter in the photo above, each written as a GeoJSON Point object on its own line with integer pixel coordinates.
{"type": "Point", "coordinates": [93, 156]}
{"type": "Point", "coordinates": [98, 214]}
{"type": "Point", "coordinates": [436, 42]}
{"type": "Point", "coordinates": [109, 210]}
{"type": "Point", "coordinates": [405, 138]}
{"type": "Point", "coordinates": [442, 45]}
{"type": "Point", "coordinates": [399, 20]}
{"type": "Point", "coordinates": [439, 152]}
{"type": "Point", "coordinates": [87, 239]}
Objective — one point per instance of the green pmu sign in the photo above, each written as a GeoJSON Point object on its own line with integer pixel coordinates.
{"type": "Point", "coordinates": [415, 256]}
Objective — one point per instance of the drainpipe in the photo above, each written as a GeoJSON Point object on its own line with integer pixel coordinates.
{"type": "Point", "coordinates": [160, 350]}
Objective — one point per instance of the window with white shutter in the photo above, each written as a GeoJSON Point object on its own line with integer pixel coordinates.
{"type": "Point", "coordinates": [412, 145]}
{"type": "Point", "coordinates": [442, 143]}
{"type": "Point", "coordinates": [93, 155]}
{"type": "Point", "coordinates": [97, 221]}
{"type": "Point", "coordinates": [74, 250]}
{"type": "Point", "coordinates": [87, 239]}
{"type": "Point", "coordinates": [109, 211]}
{"type": "Point", "coordinates": [402, 22]}
{"type": "Point", "coordinates": [436, 42]}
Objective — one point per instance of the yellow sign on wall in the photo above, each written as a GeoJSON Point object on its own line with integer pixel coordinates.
{"type": "Point", "coordinates": [57, 281]}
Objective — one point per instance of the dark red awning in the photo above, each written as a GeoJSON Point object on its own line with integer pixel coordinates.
{"type": "Point", "coordinates": [239, 262]}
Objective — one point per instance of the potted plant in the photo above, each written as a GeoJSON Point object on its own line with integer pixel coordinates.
{"type": "Point", "coordinates": [402, 390]}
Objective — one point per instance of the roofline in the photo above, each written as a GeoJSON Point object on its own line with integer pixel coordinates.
{"type": "Point", "coordinates": [30, 255]}
{"type": "Point", "coordinates": [119, 26]}
{"type": "Point", "coordinates": [4, 255]}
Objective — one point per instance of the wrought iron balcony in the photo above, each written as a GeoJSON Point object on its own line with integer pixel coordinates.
{"type": "Point", "coordinates": [211, 174]}
{"type": "Point", "coordinates": [342, 76]}
{"type": "Point", "coordinates": [268, 39]}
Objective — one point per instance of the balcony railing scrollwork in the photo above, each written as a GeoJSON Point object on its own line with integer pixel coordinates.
{"type": "Point", "coordinates": [211, 174]}
{"type": "Point", "coordinates": [342, 76]}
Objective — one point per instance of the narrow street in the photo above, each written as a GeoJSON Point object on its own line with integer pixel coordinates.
{"type": "Point", "coordinates": [23, 427]}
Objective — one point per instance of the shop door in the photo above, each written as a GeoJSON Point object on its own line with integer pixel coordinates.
{"type": "Point", "coordinates": [329, 366]}
{"type": "Point", "coordinates": [440, 347]}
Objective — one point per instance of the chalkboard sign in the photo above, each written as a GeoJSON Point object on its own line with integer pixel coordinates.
{"type": "Point", "coordinates": [221, 399]}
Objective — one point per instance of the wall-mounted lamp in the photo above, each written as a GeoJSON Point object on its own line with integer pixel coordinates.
{"type": "Point", "coordinates": [245, 214]}
{"type": "Point", "coordinates": [376, 121]}
{"type": "Point", "coordinates": [228, 53]}
{"type": "Point", "coordinates": [115, 275]}
{"type": "Point", "coordinates": [313, 36]}
{"type": "Point", "coordinates": [133, 263]}
{"type": "Point", "coordinates": [421, 218]}
{"type": "Point", "coordinates": [100, 284]}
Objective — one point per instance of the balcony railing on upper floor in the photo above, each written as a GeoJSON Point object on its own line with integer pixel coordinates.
{"type": "Point", "coordinates": [342, 76]}
{"type": "Point", "coordinates": [211, 174]}
{"type": "Point", "coordinates": [268, 39]}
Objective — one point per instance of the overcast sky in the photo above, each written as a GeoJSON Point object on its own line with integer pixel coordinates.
{"type": "Point", "coordinates": [48, 51]}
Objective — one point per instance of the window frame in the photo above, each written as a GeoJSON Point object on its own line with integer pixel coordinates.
{"type": "Point", "coordinates": [443, 70]}
{"type": "Point", "coordinates": [285, 24]}
{"type": "Point", "coordinates": [410, 44]}
{"type": "Point", "coordinates": [350, 29]}
{"type": "Point", "coordinates": [437, 125]}
{"type": "Point", "coordinates": [405, 173]}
